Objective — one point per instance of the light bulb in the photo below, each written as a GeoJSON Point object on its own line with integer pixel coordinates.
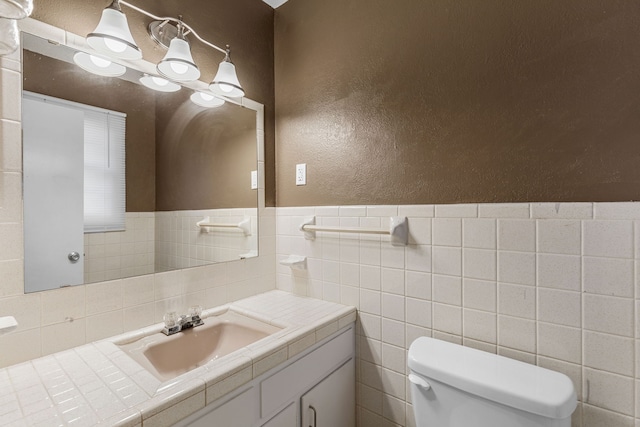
{"type": "Point", "coordinates": [179, 68]}
{"type": "Point", "coordinates": [115, 45]}
{"type": "Point", "coordinates": [160, 81]}
{"type": "Point", "coordinates": [226, 88]}
{"type": "Point", "coordinates": [99, 62]}
{"type": "Point", "coordinates": [205, 96]}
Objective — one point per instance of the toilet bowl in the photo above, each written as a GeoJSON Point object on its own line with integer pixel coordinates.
{"type": "Point", "coordinates": [456, 386]}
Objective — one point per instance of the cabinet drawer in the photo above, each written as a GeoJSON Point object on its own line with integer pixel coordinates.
{"type": "Point", "coordinates": [304, 373]}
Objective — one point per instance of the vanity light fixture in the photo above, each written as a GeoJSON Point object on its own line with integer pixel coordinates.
{"type": "Point", "coordinates": [178, 63]}
{"type": "Point", "coordinates": [158, 83]}
{"type": "Point", "coordinates": [98, 65]}
{"type": "Point", "coordinates": [226, 80]}
{"type": "Point", "coordinates": [113, 37]}
{"type": "Point", "coordinates": [206, 100]}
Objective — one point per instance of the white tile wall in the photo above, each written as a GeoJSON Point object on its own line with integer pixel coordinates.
{"type": "Point", "coordinates": [59, 319]}
{"type": "Point", "coordinates": [546, 283]}
{"type": "Point", "coordinates": [119, 254]}
{"type": "Point", "coordinates": [179, 243]}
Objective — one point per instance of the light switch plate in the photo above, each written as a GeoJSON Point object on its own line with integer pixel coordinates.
{"type": "Point", "coordinates": [254, 180]}
{"type": "Point", "coordinates": [301, 174]}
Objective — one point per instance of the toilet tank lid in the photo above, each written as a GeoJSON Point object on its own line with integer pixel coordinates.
{"type": "Point", "coordinates": [510, 382]}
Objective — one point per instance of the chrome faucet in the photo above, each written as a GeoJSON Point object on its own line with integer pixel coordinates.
{"type": "Point", "coordinates": [174, 323]}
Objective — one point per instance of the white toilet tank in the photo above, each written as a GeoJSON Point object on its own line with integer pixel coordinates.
{"type": "Point", "coordinates": [456, 386]}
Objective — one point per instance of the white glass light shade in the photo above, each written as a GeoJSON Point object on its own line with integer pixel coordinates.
{"type": "Point", "coordinates": [226, 81]}
{"type": "Point", "coordinates": [206, 100]}
{"type": "Point", "coordinates": [97, 65]}
{"type": "Point", "coordinates": [16, 9]}
{"type": "Point", "coordinates": [113, 37]}
{"type": "Point", "coordinates": [178, 63]}
{"type": "Point", "coordinates": [159, 84]}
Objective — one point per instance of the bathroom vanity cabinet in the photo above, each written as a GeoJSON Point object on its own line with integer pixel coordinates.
{"type": "Point", "coordinates": [316, 388]}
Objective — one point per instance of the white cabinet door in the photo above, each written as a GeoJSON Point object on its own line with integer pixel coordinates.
{"type": "Point", "coordinates": [331, 403]}
{"type": "Point", "coordinates": [286, 418]}
{"type": "Point", "coordinates": [241, 411]}
{"type": "Point", "coordinates": [53, 138]}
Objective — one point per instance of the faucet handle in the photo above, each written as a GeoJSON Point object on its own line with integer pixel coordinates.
{"type": "Point", "coordinates": [170, 319]}
{"type": "Point", "coordinates": [195, 310]}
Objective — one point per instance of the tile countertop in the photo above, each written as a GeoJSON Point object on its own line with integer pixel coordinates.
{"type": "Point", "coordinates": [98, 383]}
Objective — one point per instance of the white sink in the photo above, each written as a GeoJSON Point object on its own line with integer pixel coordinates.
{"type": "Point", "coordinates": [166, 357]}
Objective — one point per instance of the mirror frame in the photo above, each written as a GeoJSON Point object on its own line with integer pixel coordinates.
{"type": "Point", "coordinates": [59, 36]}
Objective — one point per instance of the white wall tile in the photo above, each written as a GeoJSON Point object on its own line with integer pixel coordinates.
{"type": "Point", "coordinates": [393, 306]}
{"type": "Point", "coordinates": [609, 353]}
{"type": "Point", "coordinates": [619, 210]}
{"type": "Point", "coordinates": [517, 300]}
{"type": "Point", "coordinates": [418, 285]}
{"type": "Point", "coordinates": [517, 267]}
{"type": "Point", "coordinates": [562, 210]}
{"type": "Point", "coordinates": [447, 289]}
{"type": "Point", "coordinates": [559, 307]}
{"type": "Point", "coordinates": [419, 231]}
{"type": "Point", "coordinates": [447, 261]}
{"type": "Point", "coordinates": [104, 325]}
{"type": "Point", "coordinates": [446, 232]}
{"type": "Point", "coordinates": [609, 391]}
{"type": "Point", "coordinates": [479, 233]}
{"type": "Point", "coordinates": [480, 295]}
{"type": "Point", "coordinates": [393, 281]}
{"type": "Point", "coordinates": [503, 210]}
{"type": "Point", "coordinates": [608, 276]}
{"type": "Point", "coordinates": [608, 238]}
{"type": "Point", "coordinates": [370, 277]}
{"type": "Point", "coordinates": [393, 332]}
{"type": "Point", "coordinates": [392, 256]}
{"type": "Point", "coordinates": [479, 264]}
{"type": "Point", "coordinates": [559, 237]}
{"type": "Point", "coordinates": [516, 333]}
{"type": "Point", "coordinates": [447, 318]}
{"type": "Point", "coordinates": [516, 235]}
{"type": "Point", "coordinates": [418, 312]}
{"type": "Point", "coordinates": [559, 271]}
{"type": "Point", "coordinates": [560, 342]}
{"type": "Point", "coordinates": [425, 211]}
{"type": "Point", "coordinates": [597, 417]}
{"type": "Point", "coordinates": [418, 258]}
{"type": "Point", "coordinates": [60, 305]}
{"type": "Point", "coordinates": [480, 325]}
{"type": "Point", "coordinates": [609, 314]}
{"type": "Point", "coordinates": [457, 211]}
{"type": "Point", "coordinates": [102, 297]}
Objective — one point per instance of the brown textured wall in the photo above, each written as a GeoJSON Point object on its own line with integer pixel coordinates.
{"type": "Point", "coordinates": [246, 25]}
{"type": "Point", "coordinates": [204, 156]}
{"type": "Point", "coordinates": [67, 81]}
{"type": "Point", "coordinates": [452, 101]}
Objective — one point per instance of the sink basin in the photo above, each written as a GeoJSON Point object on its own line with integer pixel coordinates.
{"type": "Point", "coordinates": [166, 357]}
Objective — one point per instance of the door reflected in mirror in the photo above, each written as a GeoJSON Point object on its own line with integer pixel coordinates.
{"type": "Point", "coordinates": [178, 192]}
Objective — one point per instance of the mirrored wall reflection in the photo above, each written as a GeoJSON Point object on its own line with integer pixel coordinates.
{"type": "Point", "coordinates": [186, 162]}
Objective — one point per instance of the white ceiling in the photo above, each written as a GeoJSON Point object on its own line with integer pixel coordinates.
{"type": "Point", "coordinates": [275, 3]}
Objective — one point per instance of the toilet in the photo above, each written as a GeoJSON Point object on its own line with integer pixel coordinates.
{"type": "Point", "coordinates": [456, 386]}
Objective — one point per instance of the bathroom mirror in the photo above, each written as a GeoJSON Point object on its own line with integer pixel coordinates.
{"type": "Point", "coordinates": [185, 193]}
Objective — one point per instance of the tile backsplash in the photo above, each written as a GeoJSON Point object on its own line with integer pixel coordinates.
{"type": "Point", "coordinates": [551, 284]}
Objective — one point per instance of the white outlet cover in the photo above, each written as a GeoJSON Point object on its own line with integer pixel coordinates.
{"type": "Point", "coordinates": [254, 180]}
{"type": "Point", "coordinates": [301, 174]}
